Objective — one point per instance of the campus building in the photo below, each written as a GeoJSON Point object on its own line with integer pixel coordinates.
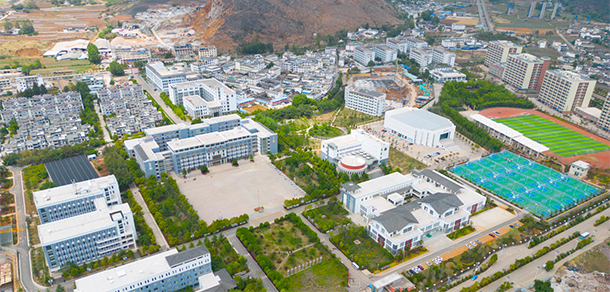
{"type": "Point", "coordinates": [373, 150]}
{"type": "Point", "coordinates": [443, 56]}
{"type": "Point", "coordinates": [214, 141]}
{"type": "Point", "coordinates": [364, 55]}
{"type": "Point", "coordinates": [385, 54]}
{"type": "Point", "coordinates": [365, 100]}
{"type": "Point", "coordinates": [421, 56]}
{"type": "Point", "coordinates": [420, 126]}
{"type": "Point", "coordinates": [442, 205]}
{"type": "Point", "coordinates": [88, 237]}
{"type": "Point", "coordinates": [211, 91]}
{"type": "Point", "coordinates": [197, 107]}
{"type": "Point", "coordinates": [207, 52]}
{"type": "Point", "coordinates": [399, 44]}
{"type": "Point", "coordinates": [76, 199]}
{"type": "Point", "coordinates": [162, 77]}
{"type": "Point", "coordinates": [604, 119]}
{"type": "Point", "coordinates": [564, 91]}
{"type": "Point", "coordinates": [183, 51]}
{"type": "Point", "coordinates": [525, 71]}
{"type": "Point", "coordinates": [414, 43]}
{"type": "Point", "coordinates": [498, 51]}
{"type": "Point", "coordinates": [442, 75]}
{"type": "Point", "coordinates": [579, 169]}
{"type": "Point", "coordinates": [166, 271]}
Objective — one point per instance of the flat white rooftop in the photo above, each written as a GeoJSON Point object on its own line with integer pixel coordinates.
{"type": "Point", "coordinates": [343, 141]}
{"type": "Point", "coordinates": [260, 129]}
{"type": "Point", "coordinates": [208, 139]}
{"type": "Point", "coordinates": [82, 224]}
{"type": "Point", "coordinates": [70, 192]}
{"type": "Point", "coordinates": [115, 278]}
{"type": "Point", "coordinates": [381, 183]}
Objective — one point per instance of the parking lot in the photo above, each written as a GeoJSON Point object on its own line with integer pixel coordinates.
{"type": "Point", "coordinates": [228, 191]}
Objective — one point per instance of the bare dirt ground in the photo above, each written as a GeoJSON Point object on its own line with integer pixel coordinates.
{"type": "Point", "coordinates": [256, 107]}
{"type": "Point", "coordinates": [577, 282]}
{"type": "Point", "coordinates": [599, 159]}
{"type": "Point", "coordinates": [522, 30]}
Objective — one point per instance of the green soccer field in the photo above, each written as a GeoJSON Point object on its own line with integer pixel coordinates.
{"type": "Point", "coordinates": [560, 140]}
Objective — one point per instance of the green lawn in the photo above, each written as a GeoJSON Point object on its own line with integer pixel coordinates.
{"type": "Point", "coordinates": [403, 161]}
{"type": "Point", "coordinates": [328, 216]}
{"type": "Point", "coordinates": [357, 245]}
{"type": "Point", "coordinates": [329, 275]}
{"type": "Point", "coordinates": [461, 232]}
{"type": "Point", "coordinates": [559, 139]}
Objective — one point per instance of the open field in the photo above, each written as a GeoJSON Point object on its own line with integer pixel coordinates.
{"type": "Point", "coordinates": [596, 259]}
{"type": "Point", "coordinates": [255, 107]}
{"type": "Point", "coordinates": [465, 21]}
{"type": "Point", "coordinates": [529, 185]}
{"type": "Point", "coordinates": [599, 159]}
{"type": "Point", "coordinates": [50, 65]}
{"type": "Point", "coordinates": [215, 194]}
{"type": "Point", "coordinates": [403, 161]}
{"type": "Point", "coordinates": [560, 140]}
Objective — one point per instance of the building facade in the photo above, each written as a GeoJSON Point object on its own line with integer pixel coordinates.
{"type": "Point", "coordinates": [212, 91]}
{"type": "Point", "coordinates": [442, 75]}
{"type": "Point", "coordinates": [498, 51]}
{"type": "Point", "coordinates": [399, 44]}
{"type": "Point", "coordinates": [604, 119]}
{"type": "Point", "coordinates": [525, 72]}
{"type": "Point", "coordinates": [365, 100]}
{"type": "Point", "coordinates": [359, 143]}
{"type": "Point", "coordinates": [422, 57]}
{"type": "Point", "coordinates": [162, 77]}
{"type": "Point", "coordinates": [166, 271]}
{"type": "Point", "coordinates": [76, 199]}
{"type": "Point", "coordinates": [88, 237]}
{"type": "Point", "coordinates": [443, 56]}
{"type": "Point", "coordinates": [385, 54]}
{"type": "Point", "coordinates": [207, 52]}
{"type": "Point", "coordinates": [419, 126]}
{"type": "Point", "coordinates": [564, 91]}
{"type": "Point", "coordinates": [364, 55]}
{"type": "Point", "coordinates": [182, 52]}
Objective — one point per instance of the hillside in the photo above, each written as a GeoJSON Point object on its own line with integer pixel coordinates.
{"type": "Point", "coordinates": [228, 23]}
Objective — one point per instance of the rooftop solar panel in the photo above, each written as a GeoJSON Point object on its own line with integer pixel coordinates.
{"type": "Point", "coordinates": [73, 169]}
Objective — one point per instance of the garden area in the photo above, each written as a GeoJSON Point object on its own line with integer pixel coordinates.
{"type": "Point", "coordinates": [402, 161]}
{"type": "Point", "coordinates": [461, 232]}
{"type": "Point", "coordinates": [357, 245]}
{"type": "Point", "coordinates": [329, 216]}
{"type": "Point", "coordinates": [324, 131]}
{"type": "Point", "coordinates": [283, 248]}
{"type": "Point", "coordinates": [350, 118]}
{"type": "Point", "coordinates": [224, 256]}
{"type": "Point", "coordinates": [5, 182]}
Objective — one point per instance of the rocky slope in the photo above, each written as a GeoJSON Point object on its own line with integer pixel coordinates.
{"type": "Point", "coordinates": [228, 23]}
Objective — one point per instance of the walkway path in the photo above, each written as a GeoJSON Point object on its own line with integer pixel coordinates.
{"type": "Point", "coordinates": [288, 256]}
{"type": "Point", "coordinates": [155, 94]}
{"type": "Point", "coordinates": [107, 137]}
{"type": "Point", "coordinates": [148, 217]}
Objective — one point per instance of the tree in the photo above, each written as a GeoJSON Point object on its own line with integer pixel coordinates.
{"type": "Point", "coordinates": [184, 172]}
{"type": "Point", "coordinates": [94, 54]}
{"type": "Point", "coordinates": [234, 163]}
{"type": "Point", "coordinates": [168, 55]}
{"type": "Point", "coordinates": [60, 288]}
{"type": "Point", "coordinates": [196, 121]}
{"type": "Point", "coordinates": [204, 169]}
{"type": "Point", "coordinates": [549, 265]}
{"type": "Point", "coordinates": [116, 69]}
{"type": "Point", "coordinates": [540, 286]}
{"type": "Point", "coordinates": [27, 29]}
{"type": "Point", "coordinates": [371, 63]}
{"type": "Point", "coordinates": [8, 26]}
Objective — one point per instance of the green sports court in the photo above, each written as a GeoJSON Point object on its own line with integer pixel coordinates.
{"type": "Point", "coordinates": [560, 140]}
{"type": "Point", "coordinates": [535, 188]}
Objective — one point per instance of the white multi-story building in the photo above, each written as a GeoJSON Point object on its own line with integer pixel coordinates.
{"type": "Point", "coordinates": [399, 44]}
{"type": "Point", "coordinates": [525, 71]}
{"type": "Point", "coordinates": [579, 169]}
{"type": "Point", "coordinates": [364, 55]}
{"type": "Point", "coordinates": [442, 75]}
{"type": "Point", "coordinates": [414, 43]}
{"type": "Point", "coordinates": [564, 91]}
{"type": "Point", "coordinates": [166, 271]}
{"type": "Point", "coordinates": [449, 43]}
{"type": "Point", "coordinates": [458, 27]}
{"type": "Point", "coordinates": [206, 52]}
{"type": "Point", "coordinates": [25, 82]}
{"type": "Point", "coordinates": [353, 195]}
{"type": "Point", "coordinates": [385, 53]}
{"type": "Point", "coordinates": [197, 107]}
{"type": "Point", "coordinates": [210, 90]}
{"type": "Point", "coordinates": [604, 119]}
{"type": "Point", "coordinates": [443, 56]}
{"type": "Point", "coordinates": [358, 142]}
{"type": "Point", "coordinates": [365, 100]}
{"type": "Point", "coordinates": [422, 57]}
{"type": "Point", "coordinates": [76, 199]}
{"type": "Point", "coordinates": [162, 77]}
{"type": "Point", "coordinates": [498, 51]}
{"type": "Point", "coordinates": [419, 126]}
{"type": "Point", "coordinates": [88, 237]}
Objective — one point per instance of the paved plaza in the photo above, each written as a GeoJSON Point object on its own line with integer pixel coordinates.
{"type": "Point", "coordinates": [228, 191]}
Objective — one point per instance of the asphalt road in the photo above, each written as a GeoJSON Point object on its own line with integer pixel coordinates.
{"type": "Point", "coordinates": [155, 95]}
{"type": "Point", "coordinates": [524, 277]}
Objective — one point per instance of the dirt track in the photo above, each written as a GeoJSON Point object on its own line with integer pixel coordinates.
{"type": "Point", "coordinates": [599, 159]}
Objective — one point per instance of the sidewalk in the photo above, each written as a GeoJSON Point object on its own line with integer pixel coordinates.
{"type": "Point", "coordinates": [148, 218]}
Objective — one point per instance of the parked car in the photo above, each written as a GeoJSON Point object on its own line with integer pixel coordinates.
{"type": "Point", "coordinates": [492, 235]}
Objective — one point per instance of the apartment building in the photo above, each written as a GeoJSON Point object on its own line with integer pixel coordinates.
{"type": "Point", "coordinates": [166, 271]}
{"type": "Point", "coordinates": [385, 53]}
{"type": "Point", "coordinates": [214, 141]}
{"type": "Point", "coordinates": [564, 91]}
{"type": "Point", "coordinates": [211, 91]}
{"type": "Point", "coordinates": [113, 99]}
{"type": "Point", "coordinates": [413, 43]}
{"type": "Point", "coordinates": [207, 52]}
{"type": "Point", "coordinates": [25, 82]}
{"type": "Point", "coordinates": [197, 107]}
{"type": "Point", "coordinates": [498, 51]}
{"type": "Point", "coordinates": [364, 55]}
{"type": "Point", "coordinates": [76, 199]}
{"type": "Point", "coordinates": [23, 109]}
{"type": "Point", "coordinates": [88, 237]}
{"type": "Point", "coordinates": [127, 54]}
{"type": "Point", "coordinates": [604, 119]}
{"type": "Point", "coordinates": [364, 100]}
{"type": "Point", "coordinates": [525, 72]}
{"type": "Point", "coordinates": [421, 56]}
{"type": "Point", "coordinates": [443, 56]}
{"type": "Point", "coordinates": [182, 52]}
{"type": "Point", "coordinates": [162, 77]}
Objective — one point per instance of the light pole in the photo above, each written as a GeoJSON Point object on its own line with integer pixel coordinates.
{"type": "Point", "coordinates": [537, 269]}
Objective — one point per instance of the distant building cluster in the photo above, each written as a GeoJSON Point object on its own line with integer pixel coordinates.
{"type": "Point", "coordinates": [127, 110]}
{"type": "Point", "coordinates": [214, 141]}
{"type": "Point", "coordinates": [45, 121]}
